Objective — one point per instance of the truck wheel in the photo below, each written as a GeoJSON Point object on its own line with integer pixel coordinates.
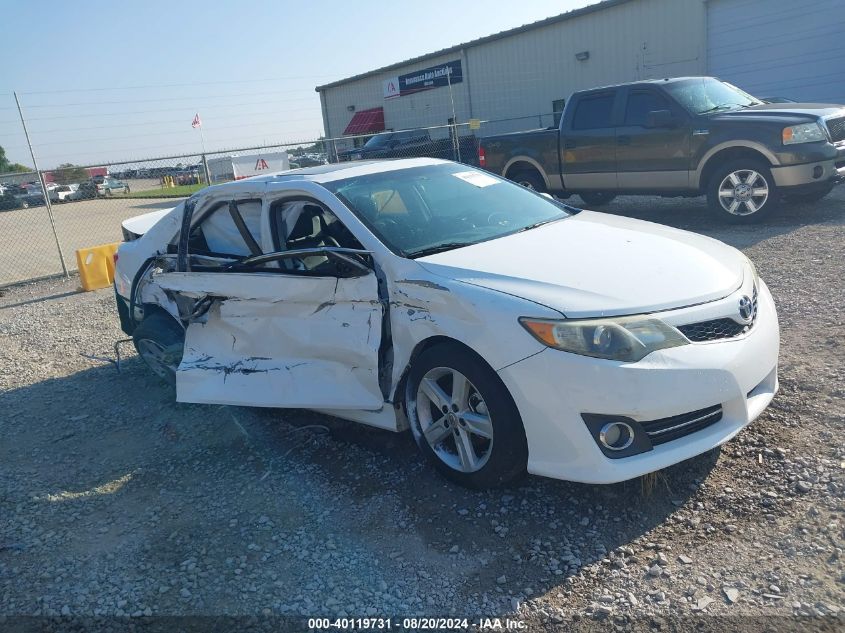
{"type": "Point", "coordinates": [463, 418]}
{"type": "Point", "coordinates": [742, 191]}
{"type": "Point", "coordinates": [160, 341]}
{"type": "Point", "coordinates": [529, 180]}
{"type": "Point", "coordinates": [597, 198]}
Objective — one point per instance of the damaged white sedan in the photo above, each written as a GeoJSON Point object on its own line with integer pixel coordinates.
{"type": "Point", "coordinates": [510, 332]}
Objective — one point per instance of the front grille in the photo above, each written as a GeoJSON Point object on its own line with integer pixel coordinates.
{"type": "Point", "coordinates": [718, 329]}
{"type": "Point", "coordinates": [836, 127]}
{"type": "Point", "coordinates": [677, 426]}
{"type": "Point", "coordinates": [713, 330]}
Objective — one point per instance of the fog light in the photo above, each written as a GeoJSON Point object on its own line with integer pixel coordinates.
{"type": "Point", "coordinates": [616, 436]}
{"type": "Point", "coordinates": [818, 170]}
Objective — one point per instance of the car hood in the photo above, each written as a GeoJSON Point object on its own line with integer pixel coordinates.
{"type": "Point", "coordinates": [781, 111]}
{"type": "Point", "coordinates": [596, 264]}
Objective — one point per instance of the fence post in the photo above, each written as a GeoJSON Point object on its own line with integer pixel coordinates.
{"type": "Point", "coordinates": [43, 188]}
{"type": "Point", "coordinates": [456, 144]}
{"type": "Point", "coordinates": [205, 168]}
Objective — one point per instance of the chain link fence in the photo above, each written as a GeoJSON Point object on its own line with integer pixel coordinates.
{"type": "Point", "coordinates": [88, 203]}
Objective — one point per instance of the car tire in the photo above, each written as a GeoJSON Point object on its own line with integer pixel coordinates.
{"type": "Point", "coordinates": [597, 198]}
{"type": "Point", "coordinates": [160, 340]}
{"type": "Point", "coordinates": [529, 180]}
{"type": "Point", "coordinates": [742, 191]}
{"type": "Point", "coordinates": [480, 445]}
{"type": "Point", "coordinates": [813, 196]}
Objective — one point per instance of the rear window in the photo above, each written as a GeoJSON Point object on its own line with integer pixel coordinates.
{"type": "Point", "coordinates": [593, 112]}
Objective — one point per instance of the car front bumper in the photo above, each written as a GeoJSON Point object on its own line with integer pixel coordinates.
{"type": "Point", "coordinates": [821, 173]}
{"type": "Point", "coordinates": [552, 389]}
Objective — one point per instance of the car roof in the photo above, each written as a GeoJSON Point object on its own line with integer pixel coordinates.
{"type": "Point", "coordinates": [327, 173]}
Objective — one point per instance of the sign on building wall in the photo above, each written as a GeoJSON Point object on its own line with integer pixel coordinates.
{"type": "Point", "coordinates": [425, 79]}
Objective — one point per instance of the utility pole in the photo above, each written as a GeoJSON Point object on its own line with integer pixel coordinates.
{"type": "Point", "coordinates": [43, 188]}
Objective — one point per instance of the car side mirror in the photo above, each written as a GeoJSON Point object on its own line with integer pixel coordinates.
{"type": "Point", "coordinates": [660, 118]}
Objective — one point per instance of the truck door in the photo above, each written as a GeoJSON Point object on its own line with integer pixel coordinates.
{"type": "Point", "coordinates": [652, 154]}
{"type": "Point", "coordinates": [588, 144]}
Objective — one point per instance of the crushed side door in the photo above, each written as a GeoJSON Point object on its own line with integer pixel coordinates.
{"type": "Point", "coordinates": [276, 340]}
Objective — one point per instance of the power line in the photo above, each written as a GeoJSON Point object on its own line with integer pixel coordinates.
{"type": "Point", "coordinates": [104, 114]}
{"type": "Point", "coordinates": [155, 123]}
{"type": "Point", "coordinates": [193, 99]}
{"type": "Point", "coordinates": [310, 140]}
{"type": "Point", "coordinates": [170, 131]}
{"type": "Point", "coordinates": [179, 85]}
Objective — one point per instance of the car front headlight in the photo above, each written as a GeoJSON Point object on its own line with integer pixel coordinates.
{"type": "Point", "coordinates": [804, 133]}
{"type": "Point", "coordinates": [626, 339]}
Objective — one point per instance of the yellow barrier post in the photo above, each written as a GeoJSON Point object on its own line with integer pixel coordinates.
{"type": "Point", "coordinates": [96, 266]}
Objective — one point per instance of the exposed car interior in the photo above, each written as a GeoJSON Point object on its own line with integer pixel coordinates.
{"type": "Point", "coordinates": [232, 231]}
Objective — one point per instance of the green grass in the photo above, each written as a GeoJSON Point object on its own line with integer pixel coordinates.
{"type": "Point", "coordinates": [180, 191]}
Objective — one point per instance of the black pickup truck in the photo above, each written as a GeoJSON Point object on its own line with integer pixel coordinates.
{"type": "Point", "coordinates": [413, 144]}
{"type": "Point", "coordinates": [685, 136]}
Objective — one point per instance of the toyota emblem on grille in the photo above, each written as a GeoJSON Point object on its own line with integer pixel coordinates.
{"type": "Point", "coordinates": [746, 309]}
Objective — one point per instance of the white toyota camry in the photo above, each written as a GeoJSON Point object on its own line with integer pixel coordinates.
{"type": "Point", "coordinates": [510, 332]}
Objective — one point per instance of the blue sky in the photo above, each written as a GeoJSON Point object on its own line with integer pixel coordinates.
{"type": "Point", "coordinates": [109, 80]}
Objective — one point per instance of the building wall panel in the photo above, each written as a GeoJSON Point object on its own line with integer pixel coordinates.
{"type": "Point", "coordinates": [779, 47]}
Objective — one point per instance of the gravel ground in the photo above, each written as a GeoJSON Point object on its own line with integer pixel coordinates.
{"type": "Point", "coordinates": [114, 500]}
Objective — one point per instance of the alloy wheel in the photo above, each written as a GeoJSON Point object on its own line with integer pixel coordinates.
{"type": "Point", "coordinates": [159, 358]}
{"type": "Point", "coordinates": [743, 192]}
{"type": "Point", "coordinates": [454, 419]}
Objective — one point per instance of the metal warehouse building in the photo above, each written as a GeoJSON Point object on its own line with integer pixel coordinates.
{"type": "Point", "coordinates": [519, 79]}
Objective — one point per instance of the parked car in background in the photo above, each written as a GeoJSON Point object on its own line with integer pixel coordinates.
{"type": "Point", "coordinates": [29, 195]}
{"type": "Point", "coordinates": [85, 191]}
{"type": "Point", "coordinates": [110, 186]}
{"type": "Point", "coordinates": [106, 186]}
{"type": "Point", "coordinates": [62, 193]}
{"type": "Point", "coordinates": [8, 202]}
{"type": "Point", "coordinates": [679, 137]}
{"type": "Point", "coordinates": [410, 144]}
{"type": "Point", "coordinates": [515, 332]}
{"type": "Point", "coordinates": [307, 160]}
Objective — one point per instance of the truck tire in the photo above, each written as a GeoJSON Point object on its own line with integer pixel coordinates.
{"type": "Point", "coordinates": [597, 198]}
{"type": "Point", "coordinates": [529, 180]}
{"type": "Point", "coordinates": [742, 191]}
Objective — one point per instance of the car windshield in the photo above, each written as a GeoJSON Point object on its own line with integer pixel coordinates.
{"type": "Point", "coordinates": [378, 140]}
{"type": "Point", "coordinates": [419, 211]}
{"type": "Point", "coordinates": [706, 94]}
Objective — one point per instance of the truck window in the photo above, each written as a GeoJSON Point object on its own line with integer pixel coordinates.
{"type": "Point", "coordinates": [593, 112]}
{"type": "Point", "coordinates": [640, 103]}
{"type": "Point", "coordinates": [557, 110]}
